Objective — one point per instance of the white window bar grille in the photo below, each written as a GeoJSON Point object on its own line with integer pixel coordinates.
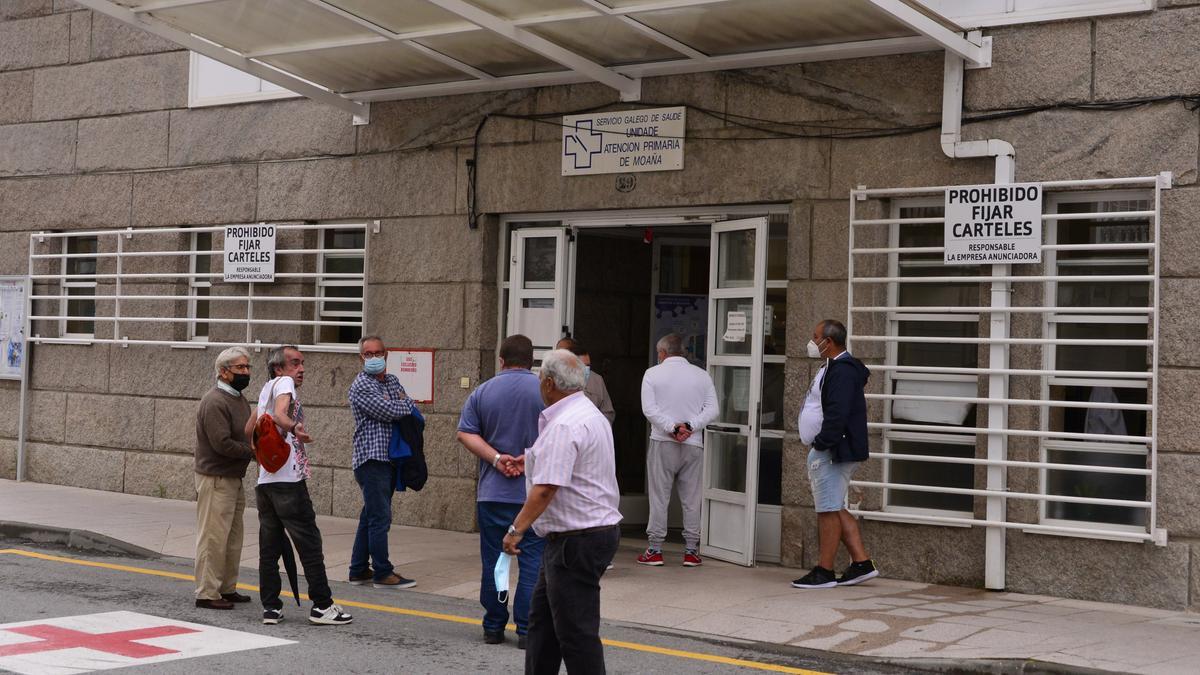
{"type": "Point", "coordinates": [1082, 391]}
{"type": "Point", "coordinates": [78, 304]}
{"type": "Point", "coordinates": [90, 287]}
{"type": "Point", "coordinates": [199, 304]}
{"type": "Point", "coordinates": [342, 251]}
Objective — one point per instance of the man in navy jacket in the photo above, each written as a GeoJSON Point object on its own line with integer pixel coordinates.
{"type": "Point", "coordinates": [833, 423]}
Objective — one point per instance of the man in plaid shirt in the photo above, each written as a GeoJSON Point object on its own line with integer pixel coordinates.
{"type": "Point", "coordinates": [378, 402]}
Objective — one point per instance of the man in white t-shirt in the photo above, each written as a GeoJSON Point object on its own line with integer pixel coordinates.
{"type": "Point", "coordinates": [284, 506]}
{"type": "Point", "coordinates": [679, 400]}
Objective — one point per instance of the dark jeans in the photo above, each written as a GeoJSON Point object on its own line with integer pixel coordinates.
{"type": "Point", "coordinates": [494, 519]}
{"type": "Point", "coordinates": [286, 506]}
{"type": "Point", "coordinates": [564, 619]}
{"type": "Point", "coordinates": [378, 482]}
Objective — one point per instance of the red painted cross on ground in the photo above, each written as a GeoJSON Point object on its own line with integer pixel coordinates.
{"type": "Point", "coordinates": [53, 638]}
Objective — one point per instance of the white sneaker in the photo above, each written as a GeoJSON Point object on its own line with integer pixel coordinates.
{"type": "Point", "coordinates": [330, 616]}
{"type": "Point", "coordinates": [272, 616]}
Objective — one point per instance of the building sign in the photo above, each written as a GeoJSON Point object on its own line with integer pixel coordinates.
{"type": "Point", "coordinates": [623, 142]}
{"type": "Point", "coordinates": [81, 644]}
{"type": "Point", "coordinates": [414, 369]}
{"type": "Point", "coordinates": [250, 253]}
{"type": "Point", "coordinates": [12, 326]}
{"type": "Point", "coordinates": [993, 224]}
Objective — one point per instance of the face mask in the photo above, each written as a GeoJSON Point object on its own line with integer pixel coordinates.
{"type": "Point", "coordinates": [374, 365]}
{"type": "Point", "coordinates": [240, 381]}
{"type": "Point", "coordinates": [814, 352]}
{"type": "Point", "coordinates": [501, 576]}
{"type": "Point", "coordinates": [587, 372]}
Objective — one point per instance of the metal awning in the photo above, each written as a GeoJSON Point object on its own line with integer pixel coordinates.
{"type": "Point", "coordinates": [351, 52]}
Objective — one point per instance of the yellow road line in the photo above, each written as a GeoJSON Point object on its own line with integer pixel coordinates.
{"type": "Point", "coordinates": [633, 646]}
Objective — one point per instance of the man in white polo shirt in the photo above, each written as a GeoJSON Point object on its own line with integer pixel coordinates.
{"type": "Point", "coordinates": [679, 400]}
{"type": "Point", "coordinates": [571, 500]}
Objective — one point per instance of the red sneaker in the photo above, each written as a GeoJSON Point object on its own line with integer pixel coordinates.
{"type": "Point", "coordinates": [692, 559]}
{"type": "Point", "coordinates": [651, 558]}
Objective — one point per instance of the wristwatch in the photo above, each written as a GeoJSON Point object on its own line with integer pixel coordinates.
{"type": "Point", "coordinates": [514, 532]}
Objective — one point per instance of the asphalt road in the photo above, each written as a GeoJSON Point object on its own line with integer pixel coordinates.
{"type": "Point", "coordinates": [393, 631]}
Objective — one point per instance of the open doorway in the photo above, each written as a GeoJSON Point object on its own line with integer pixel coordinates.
{"type": "Point", "coordinates": [617, 284]}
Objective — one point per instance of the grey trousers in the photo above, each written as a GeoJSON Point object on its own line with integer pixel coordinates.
{"type": "Point", "coordinates": [668, 462]}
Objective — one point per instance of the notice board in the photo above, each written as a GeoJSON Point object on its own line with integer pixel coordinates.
{"type": "Point", "coordinates": [414, 369]}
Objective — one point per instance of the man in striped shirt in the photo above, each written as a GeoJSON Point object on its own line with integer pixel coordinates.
{"type": "Point", "coordinates": [571, 501]}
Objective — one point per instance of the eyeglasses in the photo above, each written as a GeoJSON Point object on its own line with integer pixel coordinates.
{"type": "Point", "coordinates": [239, 367]}
{"type": "Point", "coordinates": [374, 355]}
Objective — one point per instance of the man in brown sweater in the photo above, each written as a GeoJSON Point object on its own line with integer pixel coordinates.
{"type": "Point", "coordinates": [223, 452]}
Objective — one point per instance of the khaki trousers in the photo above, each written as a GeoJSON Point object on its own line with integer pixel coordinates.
{"type": "Point", "coordinates": [220, 503]}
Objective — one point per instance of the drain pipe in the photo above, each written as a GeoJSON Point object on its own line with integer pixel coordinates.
{"type": "Point", "coordinates": [998, 353]}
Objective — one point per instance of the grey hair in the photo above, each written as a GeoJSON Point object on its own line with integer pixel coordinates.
{"type": "Point", "coordinates": [276, 358]}
{"type": "Point", "coordinates": [672, 344]}
{"type": "Point", "coordinates": [227, 357]}
{"type": "Point", "coordinates": [367, 338]}
{"type": "Point", "coordinates": [834, 330]}
{"type": "Point", "coordinates": [565, 369]}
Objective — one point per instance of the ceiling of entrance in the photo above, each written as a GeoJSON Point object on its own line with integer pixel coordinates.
{"type": "Point", "coordinates": [367, 50]}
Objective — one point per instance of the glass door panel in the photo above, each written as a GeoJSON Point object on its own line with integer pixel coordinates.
{"type": "Point", "coordinates": [537, 299]}
{"type": "Point", "coordinates": [737, 294]}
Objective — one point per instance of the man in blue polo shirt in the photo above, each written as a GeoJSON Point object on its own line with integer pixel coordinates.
{"type": "Point", "coordinates": [499, 422]}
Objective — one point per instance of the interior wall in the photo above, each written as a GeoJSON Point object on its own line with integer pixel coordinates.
{"type": "Point", "coordinates": [612, 319]}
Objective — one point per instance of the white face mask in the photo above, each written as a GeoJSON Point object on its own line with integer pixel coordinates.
{"type": "Point", "coordinates": [814, 352]}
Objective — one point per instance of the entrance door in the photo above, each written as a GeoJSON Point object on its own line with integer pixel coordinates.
{"type": "Point", "coordinates": [540, 285]}
{"type": "Point", "coordinates": [737, 288]}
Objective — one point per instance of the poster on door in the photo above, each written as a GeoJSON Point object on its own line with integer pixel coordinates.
{"type": "Point", "coordinates": [686, 315]}
{"type": "Point", "coordinates": [12, 326]}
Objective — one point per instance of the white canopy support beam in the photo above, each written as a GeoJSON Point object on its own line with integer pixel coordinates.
{"type": "Point", "coordinates": [361, 111]}
{"type": "Point", "coordinates": [630, 89]}
{"type": "Point", "coordinates": [168, 4]}
{"type": "Point", "coordinates": [656, 35]}
{"type": "Point", "coordinates": [977, 54]}
{"type": "Point", "coordinates": [417, 46]}
{"type": "Point", "coordinates": [774, 57]}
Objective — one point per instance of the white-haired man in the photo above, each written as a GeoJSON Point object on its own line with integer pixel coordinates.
{"type": "Point", "coordinates": [679, 400]}
{"type": "Point", "coordinates": [571, 500]}
{"type": "Point", "coordinates": [223, 452]}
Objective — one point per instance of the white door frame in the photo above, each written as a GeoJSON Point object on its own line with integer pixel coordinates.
{"type": "Point", "coordinates": [717, 502]}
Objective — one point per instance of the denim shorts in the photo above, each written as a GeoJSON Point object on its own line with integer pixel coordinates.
{"type": "Point", "coordinates": [830, 481]}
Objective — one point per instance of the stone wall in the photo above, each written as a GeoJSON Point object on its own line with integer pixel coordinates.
{"type": "Point", "coordinates": [95, 133]}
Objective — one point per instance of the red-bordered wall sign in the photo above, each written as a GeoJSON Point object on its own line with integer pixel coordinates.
{"type": "Point", "coordinates": [414, 369]}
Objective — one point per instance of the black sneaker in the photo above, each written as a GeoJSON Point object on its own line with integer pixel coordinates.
{"type": "Point", "coordinates": [818, 577]}
{"type": "Point", "coordinates": [493, 638]}
{"type": "Point", "coordinates": [520, 642]}
{"type": "Point", "coordinates": [272, 616]}
{"type": "Point", "coordinates": [330, 616]}
{"type": "Point", "coordinates": [858, 572]}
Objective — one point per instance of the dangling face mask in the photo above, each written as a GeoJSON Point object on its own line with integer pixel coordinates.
{"type": "Point", "coordinates": [374, 365]}
{"type": "Point", "coordinates": [814, 352]}
{"type": "Point", "coordinates": [503, 563]}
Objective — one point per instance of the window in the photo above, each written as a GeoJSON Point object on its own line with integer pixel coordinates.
{"type": "Point", "coordinates": [919, 312]}
{"type": "Point", "coordinates": [214, 83]}
{"type": "Point", "coordinates": [343, 252]}
{"type": "Point", "coordinates": [980, 13]}
{"type": "Point", "coordinates": [201, 287]}
{"type": "Point", "coordinates": [78, 263]}
{"type": "Point", "coordinates": [1121, 312]}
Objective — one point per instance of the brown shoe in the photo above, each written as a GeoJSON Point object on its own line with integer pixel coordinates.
{"type": "Point", "coordinates": [219, 603]}
{"type": "Point", "coordinates": [394, 581]}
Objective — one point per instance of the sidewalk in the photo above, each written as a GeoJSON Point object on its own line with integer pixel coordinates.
{"type": "Point", "coordinates": [884, 618]}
